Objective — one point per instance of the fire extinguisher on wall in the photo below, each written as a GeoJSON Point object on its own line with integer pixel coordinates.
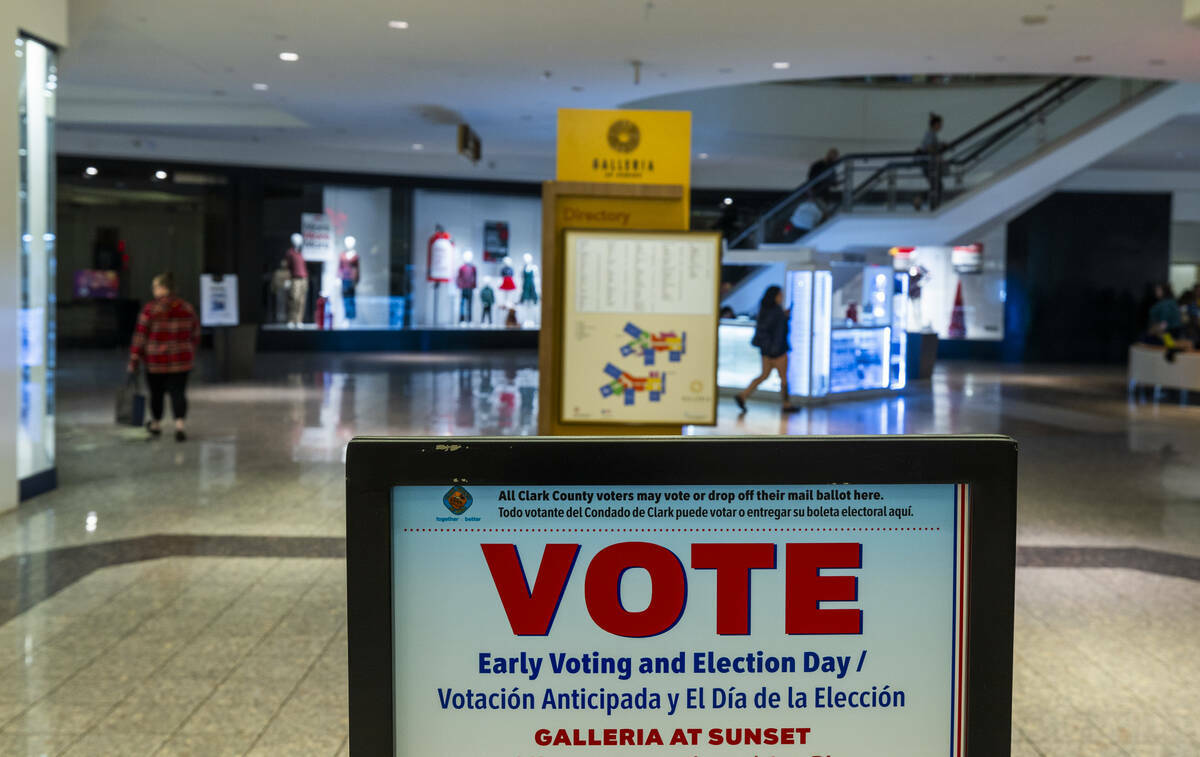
{"type": "Point", "coordinates": [319, 311]}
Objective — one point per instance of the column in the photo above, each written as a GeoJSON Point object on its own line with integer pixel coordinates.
{"type": "Point", "coordinates": [35, 30]}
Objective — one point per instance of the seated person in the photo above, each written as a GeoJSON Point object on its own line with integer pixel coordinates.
{"type": "Point", "coordinates": [1166, 324]}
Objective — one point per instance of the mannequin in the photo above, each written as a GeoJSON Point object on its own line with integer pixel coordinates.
{"type": "Point", "coordinates": [465, 281]}
{"type": "Point", "coordinates": [348, 272]}
{"type": "Point", "coordinates": [298, 291]}
{"type": "Point", "coordinates": [529, 292]}
{"type": "Point", "coordinates": [281, 282]}
{"type": "Point", "coordinates": [439, 266]}
{"type": "Point", "coordinates": [507, 285]}
{"type": "Point", "coordinates": [487, 298]}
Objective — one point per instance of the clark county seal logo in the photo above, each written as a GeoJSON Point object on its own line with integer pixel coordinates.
{"type": "Point", "coordinates": [624, 136]}
{"type": "Point", "coordinates": [458, 500]}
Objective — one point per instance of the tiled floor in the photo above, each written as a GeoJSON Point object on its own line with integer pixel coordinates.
{"type": "Point", "coordinates": [237, 646]}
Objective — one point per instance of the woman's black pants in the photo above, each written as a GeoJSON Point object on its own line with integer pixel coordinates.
{"type": "Point", "coordinates": [174, 384]}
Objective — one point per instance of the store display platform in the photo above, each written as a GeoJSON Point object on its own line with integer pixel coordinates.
{"type": "Point", "coordinates": [275, 339]}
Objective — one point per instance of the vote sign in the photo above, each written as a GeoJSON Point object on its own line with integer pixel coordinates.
{"type": "Point", "coordinates": [681, 618]}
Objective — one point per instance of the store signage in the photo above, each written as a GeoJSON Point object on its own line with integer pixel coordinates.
{"type": "Point", "coordinates": [640, 327]}
{"type": "Point", "coordinates": [470, 146]}
{"type": "Point", "coordinates": [218, 300]}
{"type": "Point", "coordinates": [92, 284]}
{"type": "Point", "coordinates": [625, 146]}
{"type": "Point", "coordinates": [495, 241]}
{"type": "Point", "coordinates": [317, 230]}
{"type": "Point", "coordinates": [967, 258]}
{"type": "Point", "coordinates": [680, 618]}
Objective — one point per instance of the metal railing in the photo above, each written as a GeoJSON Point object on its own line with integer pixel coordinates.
{"type": "Point", "coordinates": [915, 181]}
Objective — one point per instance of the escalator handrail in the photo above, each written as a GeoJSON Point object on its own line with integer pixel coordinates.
{"type": "Point", "coordinates": [1000, 134]}
{"type": "Point", "coordinates": [1063, 81]}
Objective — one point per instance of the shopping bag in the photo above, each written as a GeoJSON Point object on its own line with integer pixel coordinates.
{"type": "Point", "coordinates": [131, 402]}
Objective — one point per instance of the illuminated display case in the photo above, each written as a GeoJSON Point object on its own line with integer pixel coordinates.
{"type": "Point", "coordinates": [847, 324]}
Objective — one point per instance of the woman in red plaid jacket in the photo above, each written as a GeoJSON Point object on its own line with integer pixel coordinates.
{"type": "Point", "coordinates": [165, 340]}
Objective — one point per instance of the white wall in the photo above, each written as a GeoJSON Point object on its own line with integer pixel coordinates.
{"type": "Point", "coordinates": [463, 216]}
{"type": "Point", "coordinates": [758, 136]}
{"type": "Point", "coordinates": [48, 20]}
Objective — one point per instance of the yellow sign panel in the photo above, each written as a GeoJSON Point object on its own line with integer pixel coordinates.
{"type": "Point", "coordinates": [625, 146]}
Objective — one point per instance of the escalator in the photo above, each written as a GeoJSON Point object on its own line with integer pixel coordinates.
{"type": "Point", "coordinates": [1002, 164]}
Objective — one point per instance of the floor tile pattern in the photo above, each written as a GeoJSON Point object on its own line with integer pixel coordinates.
{"type": "Point", "coordinates": [200, 649]}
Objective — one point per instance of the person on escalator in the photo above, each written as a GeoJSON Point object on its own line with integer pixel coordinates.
{"type": "Point", "coordinates": [827, 185]}
{"type": "Point", "coordinates": [805, 218]}
{"type": "Point", "coordinates": [931, 151]}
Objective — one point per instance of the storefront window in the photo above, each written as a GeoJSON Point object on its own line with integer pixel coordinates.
{"type": "Point", "coordinates": [353, 257]}
{"type": "Point", "coordinates": [329, 256]}
{"type": "Point", "coordinates": [490, 240]}
{"type": "Point", "coordinates": [38, 84]}
{"type": "Point", "coordinates": [956, 292]}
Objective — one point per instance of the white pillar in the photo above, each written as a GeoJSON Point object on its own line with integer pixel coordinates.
{"type": "Point", "coordinates": [46, 20]}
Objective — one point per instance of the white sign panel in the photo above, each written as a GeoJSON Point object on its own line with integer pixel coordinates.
{"type": "Point", "coordinates": [640, 322]}
{"type": "Point", "coordinates": [218, 300]}
{"type": "Point", "coordinates": [722, 621]}
{"type": "Point", "coordinates": [317, 230]}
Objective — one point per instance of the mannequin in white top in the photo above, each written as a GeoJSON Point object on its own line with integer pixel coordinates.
{"type": "Point", "coordinates": [529, 292]}
{"type": "Point", "coordinates": [298, 290]}
{"type": "Point", "coordinates": [348, 273]}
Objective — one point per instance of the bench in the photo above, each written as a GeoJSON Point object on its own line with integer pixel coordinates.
{"type": "Point", "coordinates": [1148, 366]}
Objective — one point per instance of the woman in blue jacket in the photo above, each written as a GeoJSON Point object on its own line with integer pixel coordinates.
{"type": "Point", "coordinates": [771, 338]}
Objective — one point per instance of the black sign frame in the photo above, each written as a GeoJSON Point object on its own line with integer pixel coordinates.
{"type": "Point", "coordinates": [986, 463]}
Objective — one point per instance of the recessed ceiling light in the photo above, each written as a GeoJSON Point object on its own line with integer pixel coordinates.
{"type": "Point", "coordinates": [728, 201]}
{"type": "Point", "coordinates": [160, 175]}
{"type": "Point", "coordinates": [703, 156]}
{"type": "Point", "coordinates": [781, 65]}
{"type": "Point", "coordinates": [1034, 19]}
{"type": "Point", "coordinates": [418, 146]}
{"type": "Point", "coordinates": [91, 170]}
{"type": "Point", "coordinates": [289, 57]}
{"type": "Point", "coordinates": [259, 86]}
{"type": "Point", "coordinates": [1083, 59]}
{"type": "Point", "coordinates": [397, 24]}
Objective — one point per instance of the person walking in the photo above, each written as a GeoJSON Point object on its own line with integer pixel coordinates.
{"type": "Point", "coordinates": [165, 342]}
{"type": "Point", "coordinates": [771, 338]}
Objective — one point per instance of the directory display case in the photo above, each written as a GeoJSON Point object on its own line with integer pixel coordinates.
{"type": "Point", "coordinates": [846, 329]}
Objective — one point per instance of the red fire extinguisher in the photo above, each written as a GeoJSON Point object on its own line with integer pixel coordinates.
{"type": "Point", "coordinates": [319, 311]}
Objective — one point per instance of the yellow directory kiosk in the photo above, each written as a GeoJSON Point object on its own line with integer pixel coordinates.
{"type": "Point", "coordinates": [628, 338]}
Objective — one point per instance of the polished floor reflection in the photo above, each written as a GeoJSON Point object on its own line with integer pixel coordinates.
{"type": "Point", "coordinates": [189, 598]}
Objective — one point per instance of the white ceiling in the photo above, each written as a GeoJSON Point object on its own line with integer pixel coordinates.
{"type": "Point", "coordinates": [175, 77]}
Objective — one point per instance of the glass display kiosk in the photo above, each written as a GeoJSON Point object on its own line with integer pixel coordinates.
{"type": "Point", "coordinates": [847, 333]}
